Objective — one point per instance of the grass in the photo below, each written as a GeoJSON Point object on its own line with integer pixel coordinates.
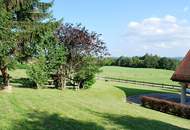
{"type": "Point", "coordinates": [103, 107]}
{"type": "Point", "coordinates": [139, 74]}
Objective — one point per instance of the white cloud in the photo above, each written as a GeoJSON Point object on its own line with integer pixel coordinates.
{"type": "Point", "coordinates": [186, 9]}
{"type": "Point", "coordinates": [159, 33]}
{"type": "Point", "coordinates": [133, 24]}
{"type": "Point", "coordinates": [169, 18]}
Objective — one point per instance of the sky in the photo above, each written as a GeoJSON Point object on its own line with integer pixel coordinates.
{"type": "Point", "coordinates": [133, 27]}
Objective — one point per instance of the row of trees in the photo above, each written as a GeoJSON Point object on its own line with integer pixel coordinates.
{"type": "Point", "coordinates": [64, 53]}
{"type": "Point", "coordinates": [146, 61]}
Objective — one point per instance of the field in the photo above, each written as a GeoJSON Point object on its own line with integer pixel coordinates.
{"type": "Point", "coordinates": [139, 74]}
{"type": "Point", "coordinates": [103, 107]}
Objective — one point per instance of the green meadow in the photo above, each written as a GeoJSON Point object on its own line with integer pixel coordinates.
{"type": "Point", "coordinates": [139, 74]}
{"type": "Point", "coordinates": [102, 107]}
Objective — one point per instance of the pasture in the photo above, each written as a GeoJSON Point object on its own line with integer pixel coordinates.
{"type": "Point", "coordinates": [139, 74]}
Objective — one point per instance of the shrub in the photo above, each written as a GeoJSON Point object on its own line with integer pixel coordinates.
{"type": "Point", "coordinates": [85, 75]}
{"type": "Point", "coordinates": [37, 73]}
{"type": "Point", "coordinates": [166, 106]}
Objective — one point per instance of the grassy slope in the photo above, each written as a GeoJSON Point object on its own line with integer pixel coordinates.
{"type": "Point", "coordinates": [140, 74]}
{"type": "Point", "coordinates": [99, 108]}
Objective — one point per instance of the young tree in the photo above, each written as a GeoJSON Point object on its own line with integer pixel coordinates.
{"type": "Point", "coordinates": [79, 44]}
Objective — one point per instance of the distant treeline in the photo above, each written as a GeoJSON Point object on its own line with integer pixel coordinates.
{"type": "Point", "coordinates": [146, 61]}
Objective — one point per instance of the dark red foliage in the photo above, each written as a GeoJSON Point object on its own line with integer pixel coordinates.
{"type": "Point", "coordinates": [166, 106]}
{"type": "Point", "coordinates": [79, 40]}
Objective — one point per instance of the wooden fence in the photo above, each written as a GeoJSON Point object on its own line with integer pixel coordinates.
{"type": "Point", "coordinates": [144, 83]}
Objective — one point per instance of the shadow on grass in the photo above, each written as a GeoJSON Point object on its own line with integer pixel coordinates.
{"type": "Point", "coordinates": [134, 91]}
{"type": "Point", "coordinates": [136, 123]}
{"type": "Point", "coordinates": [46, 121]}
{"type": "Point", "coordinates": [133, 95]}
{"type": "Point", "coordinates": [22, 83]}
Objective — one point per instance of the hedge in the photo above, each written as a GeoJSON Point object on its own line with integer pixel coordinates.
{"type": "Point", "coordinates": [165, 106]}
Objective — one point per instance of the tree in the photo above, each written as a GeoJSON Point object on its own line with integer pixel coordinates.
{"type": "Point", "coordinates": [79, 44]}
{"type": "Point", "coordinates": [121, 61]}
{"type": "Point", "coordinates": [150, 61]}
{"type": "Point", "coordinates": [7, 43]}
{"type": "Point", "coordinates": [136, 62]}
{"type": "Point", "coordinates": [168, 63]}
{"type": "Point", "coordinates": [55, 60]}
{"type": "Point", "coordinates": [48, 63]}
{"type": "Point", "coordinates": [31, 24]}
{"type": "Point", "coordinates": [109, 61]}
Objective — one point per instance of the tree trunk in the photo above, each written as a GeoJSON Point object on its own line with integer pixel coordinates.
{"type": "Point", "coordinates": [63, 82]}
{"type": "Point", "coordinates": [5, 76]}
{"type": "Point", "coordinates": [81, 84]}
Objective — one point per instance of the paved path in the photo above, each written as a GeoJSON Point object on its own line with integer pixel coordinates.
{"type": "Point", "coordinates": [170, 97]}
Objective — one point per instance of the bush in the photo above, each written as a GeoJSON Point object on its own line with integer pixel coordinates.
{"type": "Point", "coordinates": [85, 76]}
{"type": "Point", "coordinates": [166, 106]}
{"type": "Point", "coordinates": [37, 73]}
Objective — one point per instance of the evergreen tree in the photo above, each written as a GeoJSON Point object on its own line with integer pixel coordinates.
{"type": "Point", "coordinates": [31, 24]}
{"type": "Point", "coordinates": [7, 42]}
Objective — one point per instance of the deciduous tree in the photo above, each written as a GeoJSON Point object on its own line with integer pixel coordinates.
{"type": "Point", "coordinates": [79, 44]}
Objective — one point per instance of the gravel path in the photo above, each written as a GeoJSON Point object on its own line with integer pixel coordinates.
{"type": "Point", "coordinates": [170, 97]}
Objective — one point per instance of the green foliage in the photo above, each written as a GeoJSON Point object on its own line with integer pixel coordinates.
{"type": "Point", "coordinates": [85, 75]}
{"type": "Point", "coordinates": [21, 66]}
{"type": "Point", "coordinates": [7, 41]}
{"type": "Point", "coordinates": [108, 61]}
{"type": "Point", "coordinates": [150, 61]}
{"type": "Point", "coordinates": [167, 63]}
{"type": "Point", "coordinates": [146, 61]}
{"type": "Point", "coordinates": [81, 46]}
{"type": "Point", "coordinates": [55, 56]}
{"type": "Point", "coordinates": [24, 28]}
{"type": "Point", "coordinates": [38, 72]}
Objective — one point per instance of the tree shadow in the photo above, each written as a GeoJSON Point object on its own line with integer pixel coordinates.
{"type": "Point", "coordinates": [133, 95]}
{"type": "Point", "coordinates": [45, 121]}
{"type": "Point", "coordinates": [1, 79]}
{"type": "Point", "coordinates": [136, 123]}
{"type": "Point", "coordinates": [23, 83]}
{"type": "Point", "coordinates": [134, 91]}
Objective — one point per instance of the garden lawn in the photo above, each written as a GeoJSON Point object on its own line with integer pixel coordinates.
{"type": "Point", "coordinates": [103, 107]}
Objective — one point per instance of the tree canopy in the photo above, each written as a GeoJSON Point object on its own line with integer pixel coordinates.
{"type": "Point", "coordinates": [64, 53]}
{"type": "Point", "coordinates": [25, 24]}
{"type": "Point", "coordinates": [146, 61]}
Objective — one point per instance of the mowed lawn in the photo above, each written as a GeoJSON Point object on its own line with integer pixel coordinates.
{"type": "Point", "coordinates": [139, 74]}
{"type": "Point", "coordinates": [103, 107]}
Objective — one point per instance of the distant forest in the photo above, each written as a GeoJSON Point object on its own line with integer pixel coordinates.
{"type": "Point", "coordinates": [146, 61]}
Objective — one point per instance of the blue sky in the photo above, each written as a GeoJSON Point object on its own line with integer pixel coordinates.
{"type": "Point", "coordinates": [133, 27]}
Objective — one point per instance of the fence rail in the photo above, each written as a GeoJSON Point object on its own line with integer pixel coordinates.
{"type": "Point", "coordinates": [144, 83]}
